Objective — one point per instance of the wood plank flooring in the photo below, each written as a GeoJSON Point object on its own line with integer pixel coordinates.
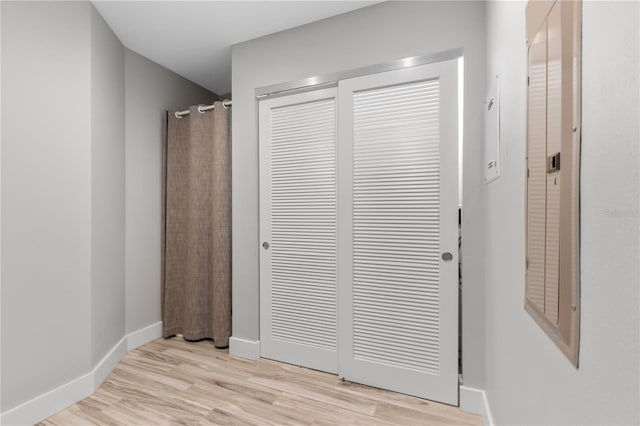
{"type": "Point", "coordinates": [173, 382]}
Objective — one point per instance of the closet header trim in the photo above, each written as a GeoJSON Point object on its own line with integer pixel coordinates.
{"type": "Point", "coordinates": [331, 79]}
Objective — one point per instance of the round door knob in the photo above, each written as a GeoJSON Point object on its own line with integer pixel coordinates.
{"type": "Point", "coordinates": [265, 245]}
{"type": "Point", "coordinates": [447, 257]}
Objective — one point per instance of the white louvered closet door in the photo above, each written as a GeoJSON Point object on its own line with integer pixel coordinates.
{"type": "Point", "coordinates": [398, 310]}
{"type": "Point", "coordinates": [298, 203]}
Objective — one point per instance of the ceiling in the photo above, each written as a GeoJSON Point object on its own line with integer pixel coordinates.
{"type": "Point", "coordinates": [194, 38]}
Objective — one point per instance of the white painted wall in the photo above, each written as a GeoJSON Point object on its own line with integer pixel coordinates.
{"type": "Point", "coordinates": [46, 197]}
{"type": "Point", "coordinates": [372, 35]}
{"type": "Point", "coordinates": [107, 180]}
{"type": "Point", "coordinates": [0, 206]}
{"type": "Point", "coordinates": [64, 182]}
{"type": "Point", "coordinates": [150, 90]}
{"type": "Point", "coordinates": [528, 380]}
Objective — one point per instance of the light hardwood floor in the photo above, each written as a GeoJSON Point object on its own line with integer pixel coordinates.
{"type": "Point", "coordinates": [181, 383]}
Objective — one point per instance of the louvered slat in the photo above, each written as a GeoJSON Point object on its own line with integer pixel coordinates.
{"type": "Point", "coordinates": [554, 145]}
{"type": "Point", "coordinates": [396, 241]}
{"type": "Point", "coordinates": [536, 181]}
{"type": "Point", "coordinates": [303, 224]}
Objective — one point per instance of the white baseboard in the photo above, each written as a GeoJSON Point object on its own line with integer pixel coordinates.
{"type": "Point", "coordinates": [475, 401]}
{"type": "Point", "coordinates": [242, 348]}
{"type": "Point", "coordinates": [108, 362]}
{"type": "Point", "coordinates": [43, 406]}
{"type": "Point", "coordinates": [143, 336]}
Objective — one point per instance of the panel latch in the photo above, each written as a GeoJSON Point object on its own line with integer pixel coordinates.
{"type": "Point", "coordinates": [553, 163]}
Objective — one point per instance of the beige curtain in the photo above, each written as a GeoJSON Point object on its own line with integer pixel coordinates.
{"type": "Point", "coordinates": [196, 291]}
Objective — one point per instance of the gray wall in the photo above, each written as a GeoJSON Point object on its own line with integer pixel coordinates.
{"type": "Point", "coordinates": [46, 197]}
{"type": "Point", "coordinates": [0, 210]}
{"type": "Point", "coordinates": [107, 178]}
{"type": "Point", "coordinates": [372, 35]}
{"type": "Point", "coordinates": [68, 293]}
{"type": "Point", "coordinates": [529, 381]}
{"type": "Point", "coordinates": [150, 90]}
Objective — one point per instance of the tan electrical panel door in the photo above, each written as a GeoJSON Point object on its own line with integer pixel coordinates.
{"type": "Point", "coordinates": [553, 152]}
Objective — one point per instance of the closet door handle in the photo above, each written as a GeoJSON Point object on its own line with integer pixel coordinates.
{"type": "Point", "coordinates": [447, 256]}
{"type": "Point", "coordinates": [265, 245]}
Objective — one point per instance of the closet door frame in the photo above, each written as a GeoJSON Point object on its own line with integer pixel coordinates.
{"type": "Point", "coordinates": [303, 89]}
{"type": "Point", "coordinates": [444, 386]}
